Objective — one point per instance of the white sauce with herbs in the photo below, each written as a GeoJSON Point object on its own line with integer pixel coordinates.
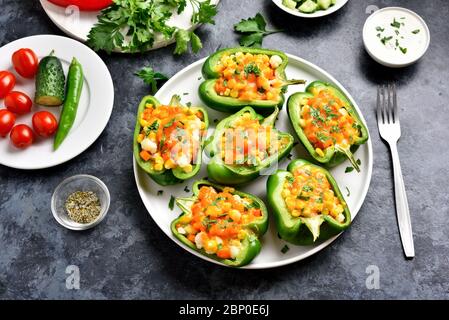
{"type": "Point", "coordinates": [395, 36]}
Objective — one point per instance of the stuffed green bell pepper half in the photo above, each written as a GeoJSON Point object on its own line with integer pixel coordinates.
{"type": "Point", "coordinates": [245, 144]}
{"type": "Point", "coordinates": [307, 203]}
{"type": "Point", "coordinates": [327, 124]}
{"type": "Point", "coordinates": [221, 223]}
{"type": "Point", "coordinates": [168, 139]}
{"type": "Point", "coordinates": [239, 77]}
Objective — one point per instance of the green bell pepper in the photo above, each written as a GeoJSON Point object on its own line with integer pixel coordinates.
{"type": "Point", "coordinates": [232, 174]}
{"type": "Point", "coordinates": [230, 105]}
{"type": "Point", "coordinates": [250, 244]}
{"type": "Point", "coordinates": [335, 154]}
{"type": "Point", "coordinates": [303, 230]}
{"type": "Point", "coordinates": [165, 177]}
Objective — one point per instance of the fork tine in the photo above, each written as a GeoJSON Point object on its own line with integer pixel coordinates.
{"type": "Point", "coordinates": [395, 105]}
{"type": "Point", "coordinates": [389, 110]}
{"type": "Point", "coordinates": [384, 102]}
{"type": "Point", "coordinates": [379, 106]}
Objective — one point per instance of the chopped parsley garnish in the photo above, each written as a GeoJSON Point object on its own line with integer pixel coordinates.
{"type": "Point", "coordinates": [304, 198]}
{"type": "Point", "coordinates": [384, 40]}
{"type": "Point", "coordinates": [395, 24]}
{"type": "Point", "coordinates": [215, 120]}
{"type": "Point", "coordinates": [335, 129]}
{"type": "Point", "coordinates": [252, 68]}
{"type": "Point", "coordinates": [285, 249]}
{"type": "Point", "coordinates": [359, 162]}
{"type": "Point", "coordinates": [160, 192]}
{"type": "Point", "coordinates": [251, 205]}
{"type": "Point", "coordinates": [186, 189]}
{"type": "Point", "coordinates": [380, 29]}
{"type": "Point", "coordinates": [307, 188]}
{"type": "Point", "coordinates": [189, 104]}
{"type": "Point", "coordinates": [349, 169]}
{"type": "Point", "coordinates": [322, 137]}
{"type": "Point", "coordinates": [403, 50]}
{"type": "Point", "coordinates": [416, 31]}
{"type": "Point", "coordinates": [171, 203]}
{"type": "Point", "coordinates": [349, 192]}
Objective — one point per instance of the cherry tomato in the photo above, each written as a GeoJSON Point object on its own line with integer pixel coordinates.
{"type": "Point", "coordinates": [7, 120]}
{"type": "Point", "coordinates": [88, 5]}
{"type": "Point", "coordinates": [22, 136]}
{"type": "Point", "coordinates": [44, 123]}
{"type": "Point", "coordinates": [7, 83]}
{"type": "Point", "coordinates": [18, 102]}
{"type": "Point", "coordinates": [25, 62]}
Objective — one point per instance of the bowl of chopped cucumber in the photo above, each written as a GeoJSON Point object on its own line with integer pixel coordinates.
{"type": "Point", "coordinates": [310, 8]}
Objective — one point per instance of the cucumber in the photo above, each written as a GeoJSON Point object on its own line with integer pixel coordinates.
{"type": "Point", "coordinates": [324, 4]}
{"type": "Point", "coordinates": [291, 4]}
{"type": "Point", "coordinates": [308, 7]}
{"type": "Point", "coordinates": [50, 82]}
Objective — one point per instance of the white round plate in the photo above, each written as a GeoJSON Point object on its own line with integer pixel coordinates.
{"type": "Point", "coordinates": [185, 83]}
{"type": "Point", "coordinates": [94, 110]}
{"type": "Point", "coordinates": [77, 24]}
{"type": "Point", "coordinates": [388, 54]}
{"type": "Point", "coordinates": [320, 13]}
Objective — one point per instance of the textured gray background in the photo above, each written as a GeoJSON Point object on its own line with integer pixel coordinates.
{"type": "Point", "coordinates": [127, 256]}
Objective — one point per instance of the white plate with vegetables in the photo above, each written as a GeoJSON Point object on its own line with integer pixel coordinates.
{"type": "Point", "coordinates": [84, 95]}
{"type": "Point", "coordinates": [80, 24]}
{"type": "Point", "coordinates": [160, 200]}
{"type": "Point", "coordinates": [310, 8]}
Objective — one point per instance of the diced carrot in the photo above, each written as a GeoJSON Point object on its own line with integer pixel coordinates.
{"type": "Point", "coordinates": [191, 237]}
{"type": "Point", "coordinates": [251, 77]}
{"type": "Point", "coordinates": [224, 253]}
{"type": "Point", "coordinates": [145, 155]}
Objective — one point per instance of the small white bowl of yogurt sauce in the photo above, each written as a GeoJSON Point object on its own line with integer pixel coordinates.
{"type": "Point", "coordinates": [396, 37]}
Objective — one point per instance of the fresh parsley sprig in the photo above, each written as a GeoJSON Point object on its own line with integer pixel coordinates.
{"type": "Point", "coordinates": [253, 30]}
{"type": "Point", "coordinates": [132, 25]}
{"type": "Point", "coordinates": [152, 78]}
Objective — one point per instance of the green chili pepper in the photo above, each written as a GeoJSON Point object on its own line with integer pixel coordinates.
{"type": "Point", "coordinates": [171, 176]}
{"type": "Point", "coordinates": [302, 230]}
{"type": "Point", "coordinates": [228, 104]}
{"type": "Point", "coordinates": [75, 80]}
{"type": "Point", "coordinates": [250, 244]}
{"type": "Point", "coordinates": [233, 174]}
{"type": "Point", "coordinates": [335, 154]}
